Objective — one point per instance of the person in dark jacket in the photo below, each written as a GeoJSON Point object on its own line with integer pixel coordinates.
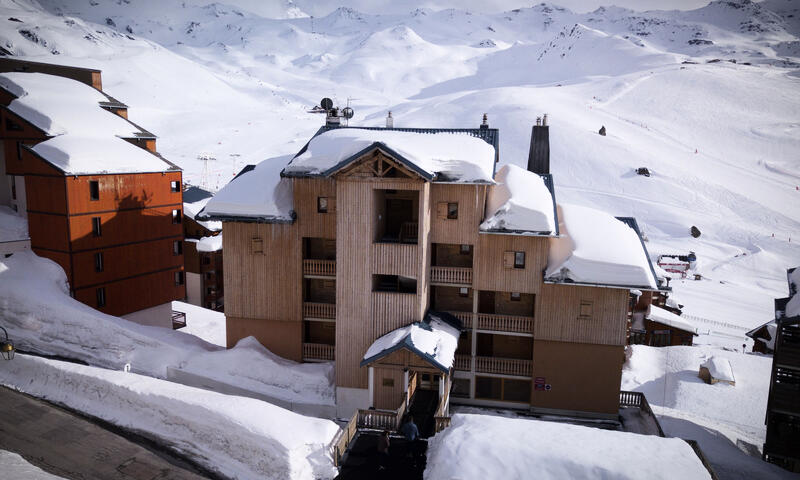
{"type": "Point", "coordinates": [383, 450]}
{"type": "Point", "coordinates": [409, 429]}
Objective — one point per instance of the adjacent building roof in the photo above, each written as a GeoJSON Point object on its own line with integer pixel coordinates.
{"type": "Point", "coordinates": [435, 154]}
{"type": "Point", "coordinates": [194, 200]}
{"type": "Point", "coordinates": [658, 314]}
{"type": "Point", "coordinates": [598, 249]}
{"type": "Point", "coordinates": [434, 340]}
{"type": "Point", "coordinates": [521, 202]}
{"type": "Point", "coordinates": [92, 155]}
{"type": "Point", "coordinates": [207, 244]}
{"type": "Point", "coordinates": [770, 329]}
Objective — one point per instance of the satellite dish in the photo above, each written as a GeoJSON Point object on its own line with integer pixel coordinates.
{"type": "Point", "coordinates": [326, 103]}
{"type": "Point", "coordinates": [347, 112]}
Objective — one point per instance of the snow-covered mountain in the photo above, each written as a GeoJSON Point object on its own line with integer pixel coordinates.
{"type": "Point", "coordinates": [707, 99]}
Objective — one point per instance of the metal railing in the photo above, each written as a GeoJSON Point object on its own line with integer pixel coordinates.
{"type": "Point", "coordinates": [505, 323]}
{"type": "Point", "coordinates": [319, 310]}
{"type": "Point", "coordinates": [637, 399]}
{"type": "Point", "coordinates": [465, 317]}
{"type": "Point", "coordinates": [451, 275]}
{"type": "Point", "coordinates": [504, 366]}
{"type": "Point", "coordinates": [325, 268]}
{"type": "Point", "coordinates": [318, 351]}
{"type": "Point", "coordinates": [178, 319]}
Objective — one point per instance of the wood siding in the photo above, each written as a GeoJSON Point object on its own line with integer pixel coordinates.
{"type": "Point", "coordinates": [490, 272]}
{"type": "Point", "coordinates": [558, 314]}
{"type": "Point", "coordinates": [391, 310]}
{"type": "Point", "coordinates": [46, 194]}
{"type": "Point", "coordinates": [396, 259]}
{"type": "Point", "coordinates": [310, 222]}
{"type": "Point", "coordinates": [124, 261]}
{"type": "Point", "coordinates": [121, 227]}
{"type": "Point", "coordinates": [389, 388]}
{"type": "Point", "coordinates": [117, 192]}
{"type": "Point", "coordinates": [134, 294]}
{"type": "Point", "coordinates": [281, 338]}
{"type": "Point", "coordinates": [49, 231]}
{"type": "Point", "coordinates": [464, 229]}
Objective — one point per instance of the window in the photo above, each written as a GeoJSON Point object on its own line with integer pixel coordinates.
{"type": "Point", "coordinates": [519, 259]}
{"type": "Point", "coordinates": [660, 338]}
{"type": "Point", "coordinates": [393, 283]}
{"type": "Point", "coordinates": [94, 190]}
{"type": "Point", "coordinates": [322, 204]}
{"type": "Point", "coordinates": [209, 275]}
{"type": "Point", "coordinates": [13, 187]}
{"type": "Point", "coordinates": [515, 296]}
{"type": "Point", "coordinates": [101, 297]}
{"type": "Point", "coordinates": [96, 227]}
{"type": "Point", "coordinates": [452, 211]}
{"type": "Point", "coordinates": [461, 388]}
{"type": "Point", "coordinates": [177, 247]}
{"type": "Point", "coordinates": [98, 262]}
{"type": "Point", "coordinates": [465, 249]}
{"type": "Point", "coordinates": [178, 278]}
{"type": "Point", "coordinates": [12, 125]}
{"type": "Point", "coordinates": [175, 186]}
{"type": "Point", "coordinates": [585, 312]}
{"type": "Point", "coordinates": [503, 389]}
{"type": "Point", "coordinates": [257, 245]}
{"type": "Point", "coordinates": [206, 260]}
{"type": "Point", "coordinates": [463, 292]}
{"type": "Point", "coordinates": [176, 216]}
{"type": "Point", "coordinates": [387, 382]}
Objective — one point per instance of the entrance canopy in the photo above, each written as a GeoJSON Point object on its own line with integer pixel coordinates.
{"type": "Point", "coordinates": [434, 340]}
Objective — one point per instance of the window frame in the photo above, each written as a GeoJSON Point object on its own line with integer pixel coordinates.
{"type": "Point", "coordinates": [177, 247]}
{"type": "Point", "coordinates": [517, 264]}
{"type": "Point", "coordinates": [323, 205]}
{"type": "Point", "coordinates": [99, 262]}
{"type": "Point", "coordinates": [515, 296]}
{"type": "Point", "coordinates": [463, 292]}
{"type": "Point", "coordinates": [97, 226]}
{"type": "Point", "coordinates": [100, 294]}
{"type": "Point", "coordinates": [177, 216]}
{"type": "Point", "coordinates": [452, 210]}
{"type": "Point", "coordinates": [179, 278]}
{"type": "Point", "coordinates": [94, 190]}
{"type": "Point", "coordinates": [175, 186]}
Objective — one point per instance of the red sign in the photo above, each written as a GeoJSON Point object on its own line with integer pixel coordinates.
{"type": "Point", "coordinates": [539, 380]}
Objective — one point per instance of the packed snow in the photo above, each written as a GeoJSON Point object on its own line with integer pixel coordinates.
{"type": "Point", "coordinates": [449, 157]}
{"type": "Point", "coordinates": [236, 437]}
{"type": "Point", "coordinates": [658, 314]}
{"type": "Point", "coordinates": [208, 244]}
{"type": "Point", "coordinates": [14, 466]}
{"type": "Point", "coordinates": [208, 325]}
{"type": "Point", "coordinates": [435, 340]}
{"type": "Point", "coordinates": [519, 202]}
{"type": "Point", "coordinates": [483, 446]}
{"type": "Point", "coordinates": [77, 155]}
{"type": "Point", "coordinates": [719, 369]}
{"type": "Point", "coordinates": [13, 226]}
{"type": "Point", "coordinates": [595, 247]}
{"type": "Point", "coordinates": [260, 192]}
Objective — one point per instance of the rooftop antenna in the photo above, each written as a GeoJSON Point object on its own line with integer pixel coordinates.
{"type": "Point", "coordinates": [205, 157]}
{"type": "Point", "coordinates": [334, 115]}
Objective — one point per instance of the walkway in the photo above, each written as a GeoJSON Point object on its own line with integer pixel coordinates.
{"type": "Point", "coordinates": [73, 447]}
{"type": "Point", "coordinates": [362, 461]}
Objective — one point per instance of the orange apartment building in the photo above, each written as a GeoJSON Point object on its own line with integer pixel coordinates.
{"type": "Point", "coordinates": [403, 256]}
{"type": "Point", "coordinates": [98, 198]}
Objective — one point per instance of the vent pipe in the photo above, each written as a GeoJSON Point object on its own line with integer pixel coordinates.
{"type": "Point", "coordinates": [539, 153]}
{"type": "Point", "coordinates": [389, 120]}
{"type": "Point", "coordinates": [485, 122]}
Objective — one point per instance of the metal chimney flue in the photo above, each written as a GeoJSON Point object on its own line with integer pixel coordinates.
{"type": "Point", "coordinates": [485, 122]}
{"type": "Point", "coordinates": [539, 153]}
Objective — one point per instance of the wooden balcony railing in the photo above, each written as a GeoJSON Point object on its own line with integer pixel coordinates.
{"type": "Point", "coordinates": [462, 362]}
{"type": "Point", "coordinates": [323, 268]}
{"type": "Point", "coordinates": [326, 311]}
{"type": "Point", "coordinates": [505, 323]}
{"type": "Point", "coordinates": [465, 317]}
{"type": "Point", "coordinates": [451, 275]}
{"type": "Point", "coordinates": [318, 351]}
{"type": "Point", "coordinates": [503, 366]}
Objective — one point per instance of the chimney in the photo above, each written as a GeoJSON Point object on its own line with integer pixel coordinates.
{"type": "Point", "coordinates": [539, 153]}
{"type": "Point", "coordinates": [485, 122]}
{"type": "Point", "coordinates": [389, 120]}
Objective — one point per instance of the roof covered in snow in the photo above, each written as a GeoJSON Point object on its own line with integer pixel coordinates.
{"type": "Point", "coordinates": [719, 368]}
{"type": "Point", "coordinates": [434, 340]}
{"type": "Point", "coordinates": [82, 155]}
{"type": "Point", "coordinates": [793, 305]}
{"type": "Point", "coordinates": [770, 329]}
{"type": "Point", "coordinates": [443, 155]}
{"type": "Point", "coordinates": [598, 249]}
{"type": "Point", "coordinates": [191, 209]}
{"type": "Point", "coordinates": [521, 202]}
{"type": "Point", "coordinates": [660, 315]}
{"type": "Point", "coordinates": [257, 194]}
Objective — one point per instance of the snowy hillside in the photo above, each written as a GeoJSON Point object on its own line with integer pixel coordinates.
{"type": "Point", "coordinates": [707, 99]}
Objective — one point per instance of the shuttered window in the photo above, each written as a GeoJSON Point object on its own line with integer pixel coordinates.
{"type": "Point", "coordinates": [257, 245]}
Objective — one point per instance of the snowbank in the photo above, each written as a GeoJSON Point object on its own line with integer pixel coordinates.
{"type": "Point", "coordinates": [595, 247]}
{"type": "Point", "coordinates": [235, 436]}
{"type": "Point", "coordinates": [454, 157]}
{"type": "Point", "coordinates": [13, 227]}
{"type": "Point", "coordinates": [658, 314]}
{"type": "Point", "coordinates": [719, 369]}
{"type": "Point", "coordinates": [483, 446]}
{"type": "Point", "coordinates": [436, 339]}
{"type": "Point", "coordinates": [203, 323]}
{"type": "Point", "coordinates": [80, 154]}
{"type": "Point", "coordinates": [260, 193]}
{"type": "Point", "coordinates": [520, 201]}
{"type": "Point", "coordinates": [14, 466]}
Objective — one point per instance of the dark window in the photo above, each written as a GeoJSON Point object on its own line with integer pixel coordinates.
{"type": "Point", "coordinates": [175, 186]}
{"type": "Point", "coordinates": [94, 190]}
{"type": "Point", "coordinates": [516, 296]}
{"type": "Point", "coordinates": [393, 283]}
{"type": "Point", "coordinates": [465, 249]}
{"type": "Point", "coordinates": [19, 151]}
{"type": "Point", "coordinates": [209, 275]}
{"type": "Point", "coordinates": [96, 227]}
{"type": "Point", "coordinates": [516, 390]}
{"type": "Point", "coordinates": [660, 338]}
{"type": "Point", "coordinates": [178, 278]}
{"type": "Point", "coordinates": [322, 204]}
{"type": "Point", "coordinates": [461, 387]}
{"type": "Point", "coordinates": [637, 337]}
{"type": "Point", "coordinates": [206, 260]}
{"type": "Point", "coordinates": [176, 216]}
{"type": "Point", "coordinates": [13, 187]}
{"type": "Point", "coordinates": [98, 262]}
{"type": "Point", "coordinates": [12, 125]}
{"type": "Point", "coordinates": [452, 211]}
{"type": "Point", "coordinates": [519, 259]}
{"type": "Point", "coordinates": [177, 247]}
{"type": "Point", "coordinates": [463, 292]}
{"type": "Point", "coordinates": [101, 297]}
{"type": "Point", "coordinates": [490, 388]}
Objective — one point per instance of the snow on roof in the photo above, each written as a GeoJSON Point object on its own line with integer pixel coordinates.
{"type": "Point", "coordinates": [258, 193]}
{"type": "Point", "coordinates": [59, 105]}
{"type": "Point", "coordinates": [658, 314]}
{"type": "Point", "coordinates": [596, 248]}
{"type": "Point", "coordinates": [210, 244]}
{"type": "Point", "coordinates": [793, 305]}
{"type": "Point", "coordinates": [13, 226]}
{"type": "Point", "coordinates": [772, 330]}
{"type": "Point", "coordinates": [489, 446]}
{"type": "Point", "coordinates": [719, 368]}
{"type": "Point", "coordinates": [443, 156]}
{"type": "Point", "coordinates": [435, 341]}
{"type": "Point", "coordinates": [192, 209]}
{"type": "Point", "coordinates": [80, 155]}
{"type": "Point", "coordinates": [519, 202]}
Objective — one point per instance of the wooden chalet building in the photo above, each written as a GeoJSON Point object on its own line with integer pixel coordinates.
{"type": "Point", "coordinates": [98, 198]}
{"type": "Point", "coordinates": [402, 255]}
{"type": "Point", "coordinates": [782, 446]}
{"type": "Point", "coordinates": [202, 253]}
{"type": "Point", "coordinates": [764, 337]}
{"type": "Point", "coordinates": [656, 324]}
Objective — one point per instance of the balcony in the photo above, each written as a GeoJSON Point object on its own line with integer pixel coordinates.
{"type": "Point", "coordinates": [504, 366]}
{"type": "Point", "coordinates": [319, 268]}
{"type": "Point", "coordinates": [465, 317]}
{"type": "Point", "coordinates": [451, 275]}
{"type": "Point", "coordinates": [462, 362]}
{"type": "Point", "coordinates": [318, 352]}
{"type": "Point", "coordinates": [319, 311]}
{"type": "Point", "coordinates": [505, 323]}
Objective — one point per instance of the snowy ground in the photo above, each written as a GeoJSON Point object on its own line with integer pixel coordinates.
{"type": "Point", "coordinates": [203, 323]}
{"type": "Point", "coordinates": [15, 466]}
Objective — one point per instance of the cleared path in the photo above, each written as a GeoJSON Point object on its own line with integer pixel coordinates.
{"type": "Point", "coordinates": [73, 447]}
